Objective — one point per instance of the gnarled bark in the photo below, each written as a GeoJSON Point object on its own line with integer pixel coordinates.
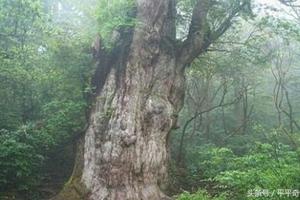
{"type": "Point", "coordinates": [139, 92]}
{"type": "Point", "coordinates": [124, 147]}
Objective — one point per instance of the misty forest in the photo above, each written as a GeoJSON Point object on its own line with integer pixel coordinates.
{"type": "Point", "coordinates": [149, 99]}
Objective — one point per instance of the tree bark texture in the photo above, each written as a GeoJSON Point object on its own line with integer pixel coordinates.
{"type": "Point", "coordinates": [139, 92]}
{"type": "Point", "coordinates": [124, 154]}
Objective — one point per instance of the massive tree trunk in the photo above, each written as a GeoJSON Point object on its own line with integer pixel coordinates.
{"type": "Point", "coordinates": [139, 92]}
{"type": "Point", "coordinates": [138, 97]}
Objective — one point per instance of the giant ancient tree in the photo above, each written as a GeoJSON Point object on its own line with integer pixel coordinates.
{"type": "Point", "coordinates": [139, 90]}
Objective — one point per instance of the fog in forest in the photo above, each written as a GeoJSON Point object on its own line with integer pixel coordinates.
{"type": "Point", "coordinates": [149, 99]}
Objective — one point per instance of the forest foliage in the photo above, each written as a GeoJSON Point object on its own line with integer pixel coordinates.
{"type": "Point", "coordinates": [239, 128]}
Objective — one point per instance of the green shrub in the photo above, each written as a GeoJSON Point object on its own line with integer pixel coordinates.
{"type": "Point", "coordinates": [20, 159]}
{"type": "Point", "coordinates": [265, 167]}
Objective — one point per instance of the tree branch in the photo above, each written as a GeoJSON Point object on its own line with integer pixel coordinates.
{"type": "Point", "coordinates": [200, 35]}
{"type": "Point", "coordinates": [192, 46]}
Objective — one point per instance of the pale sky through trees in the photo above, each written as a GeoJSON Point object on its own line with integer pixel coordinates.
{"type": "Point", "coordinates": [281, 10]}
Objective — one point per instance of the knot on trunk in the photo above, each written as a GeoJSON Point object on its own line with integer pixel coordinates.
{"type": "Point", "coordinates": [123, 125]}
{"type": "Point", "coordinates": [155, 106]}
{"type": "Point", "coordinates": [129, 139]}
